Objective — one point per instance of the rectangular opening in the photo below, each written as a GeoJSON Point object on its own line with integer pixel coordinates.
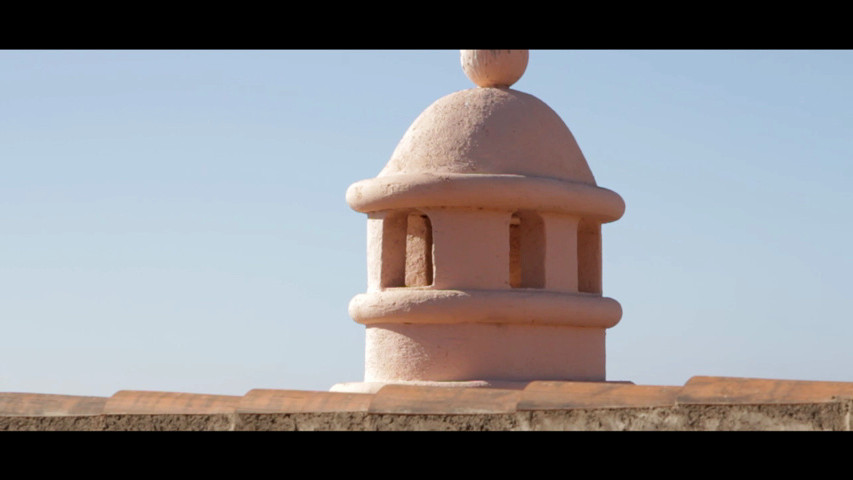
{"type": "Point", "coordinates": [515, 252]}
{"type": "Point", "coordinates": [526, 251]}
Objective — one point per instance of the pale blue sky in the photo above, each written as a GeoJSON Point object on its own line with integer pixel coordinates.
{"type": "Point", "coordinates": [175, 220]}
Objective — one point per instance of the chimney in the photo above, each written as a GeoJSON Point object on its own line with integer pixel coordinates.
{"type": "Point", "coordinates": [484, 244]}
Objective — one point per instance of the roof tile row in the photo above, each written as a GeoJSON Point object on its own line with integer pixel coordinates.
{"type": "Point", "coordinates": [403, 399]}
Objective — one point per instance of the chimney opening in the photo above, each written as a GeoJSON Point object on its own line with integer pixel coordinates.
{"type": "Point", "coordinates": [526, 250]}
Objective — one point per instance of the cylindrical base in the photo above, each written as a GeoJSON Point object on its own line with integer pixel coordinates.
{"type": "Point", "coordinates": [374, 387]}
{"type": "Point", "coordinates": [488, 352]}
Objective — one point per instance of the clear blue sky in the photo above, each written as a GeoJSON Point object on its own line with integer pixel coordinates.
{"type": "Point", "coordinates": [175, 220]}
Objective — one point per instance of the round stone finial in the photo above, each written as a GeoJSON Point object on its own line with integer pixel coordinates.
{"type": "Point", "coordinates": [494, 68]}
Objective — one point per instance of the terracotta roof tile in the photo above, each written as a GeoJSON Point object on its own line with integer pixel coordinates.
{"type": "Point", "coordinates": [405, 399]}
{"type": "Point", "coordinates": [38, 404]}
{"type": "Point", "coordinates": [144, 402]}
{"type": "Point", "coordinates": [539, 396]}
{"type": "Point", "coordinates": [568, 395]}
{"type": "Point", "coordinates": [298, 401]}
{"type": "Point", "coordinates": [730, 390]}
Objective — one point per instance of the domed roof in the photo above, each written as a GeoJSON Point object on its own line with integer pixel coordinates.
{"type": "Point", "coordinates": [488, 147]}
{"type": "Point", "coordinates": [490, 131]}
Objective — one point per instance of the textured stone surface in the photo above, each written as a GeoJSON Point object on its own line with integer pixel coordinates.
{"type": "Point", "coordinates": [304, 422]}
{"type": "Point", "coordinates": [608, 419]}
{"type": "Point", "coordinates": [169, 422]}
{"type": "Point", "coordinates": [53, 423]}
{"type": "Point", "coordinates": [452, 423]}
{"type": "Point", "coordinates": [800, 417]}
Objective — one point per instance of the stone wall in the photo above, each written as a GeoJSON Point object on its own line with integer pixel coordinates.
{"type": "Point", "coordinates": [702, 404]}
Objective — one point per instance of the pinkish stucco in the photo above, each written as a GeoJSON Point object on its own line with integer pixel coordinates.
{"type": "Point", "coordinates": [490, 131]}
{"type": "Point", "coordinates": [484, 244]}
{"type": "Point", "coordinates": [494, 68]}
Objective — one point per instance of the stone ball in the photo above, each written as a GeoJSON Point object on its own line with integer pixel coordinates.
{"type": "Point", "coordinates": [494, 68]}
